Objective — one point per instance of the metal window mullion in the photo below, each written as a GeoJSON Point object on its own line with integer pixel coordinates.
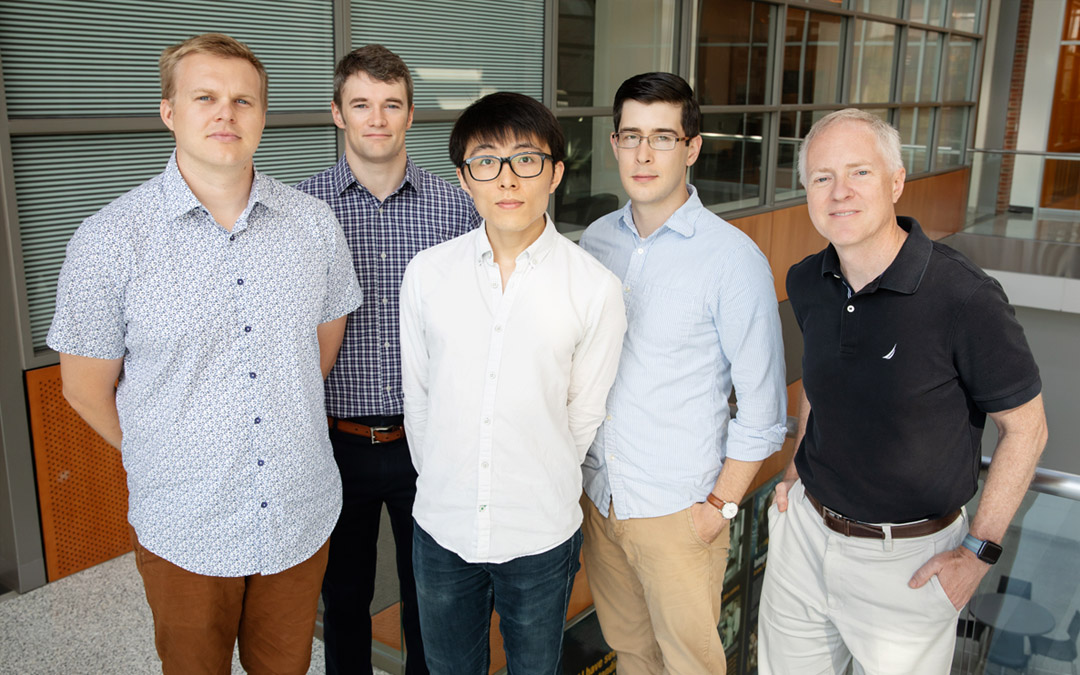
{"type": "Point", "coordinates": [770, 146]}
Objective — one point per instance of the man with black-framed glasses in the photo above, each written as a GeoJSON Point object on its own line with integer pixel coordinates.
{"type": "Point", "coordinates": [510, 338]}
{"type": "Point", "coordinates": [670, 464]}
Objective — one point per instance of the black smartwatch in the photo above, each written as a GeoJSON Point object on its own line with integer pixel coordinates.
{"type": "Point", "coordinates": [986, 551]}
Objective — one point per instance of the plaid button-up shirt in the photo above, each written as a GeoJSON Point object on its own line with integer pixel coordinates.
{"type": "Point", "coordinates": [384, 236]}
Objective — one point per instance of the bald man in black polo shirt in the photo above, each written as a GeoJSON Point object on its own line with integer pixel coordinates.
{"type": "Point", "coordinates": [908, 347]}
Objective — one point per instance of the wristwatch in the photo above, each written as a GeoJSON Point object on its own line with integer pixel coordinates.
{"type": "Point", "coordinates": [727, 509]}
{"type": "Point", "coordinates": [986, 551]}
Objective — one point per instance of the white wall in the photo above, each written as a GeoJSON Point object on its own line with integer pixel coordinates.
{"type": "Point", "coordinates": [1039, 79]}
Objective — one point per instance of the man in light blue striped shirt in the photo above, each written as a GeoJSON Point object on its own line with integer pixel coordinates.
{"type": "Point", "coordinates": [670, 465]}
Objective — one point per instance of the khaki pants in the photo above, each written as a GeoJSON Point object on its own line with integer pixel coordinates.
{"type": "Point", "coordinates": [829, 600]}
{"type": "Point", "coordinates": [198, 619]}
{"type": "Point", "coordinates": [656, 586]}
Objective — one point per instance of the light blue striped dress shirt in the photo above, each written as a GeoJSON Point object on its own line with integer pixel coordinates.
{"type": "Point", "coordinates": [702, 317]}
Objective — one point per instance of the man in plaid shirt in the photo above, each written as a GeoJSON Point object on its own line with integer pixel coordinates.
{"type": "Point", "coordinates": [390, 210]}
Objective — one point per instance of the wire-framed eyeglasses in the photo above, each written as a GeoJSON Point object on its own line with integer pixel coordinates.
{"type": "Point", "coordinates": [523, 164]}
{"type": "Point", "coordinates": [629, 140]}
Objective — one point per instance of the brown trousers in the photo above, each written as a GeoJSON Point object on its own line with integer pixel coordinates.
{"type": "Point", "coordinates": [198, 619]}
{"type": "Point", "coordinates": [656, 586]}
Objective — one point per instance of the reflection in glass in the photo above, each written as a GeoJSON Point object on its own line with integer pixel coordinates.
{"type": "Point", "coordinates": [928, 11]}
{"type": "Point", "coordinates": [794, 125]}
{"type": "Point", "coordinates": [728, 172]}
{"type": "Point", "coordinates": [882, 7]}
{"type": "Point", "coordinates": [914, 130]}
{"type": "Point", "coordinates": [920, 70]}
{"type": "Point", "coordinates": [590, 186]}
{"type": "Point", "coordinates": [951, 137]}
{"type": "Point", "coordinates": [964, 15]}
{"type": "Point", "coordinates": [811, 57]}
{"type": "Point", "coordinates": [875, 44]}
{"type": "Point", "coordinates": [603, 42]}
{"type": "Point", "coordinates": [733, 51]}
{"type": "Point", "coordinates": [960, 69]}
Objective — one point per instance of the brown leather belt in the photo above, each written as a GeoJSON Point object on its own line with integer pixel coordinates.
{"type": "Point", "coordinates": [854, 528]}
{"type": "Point", "coordinates": [376, 434]}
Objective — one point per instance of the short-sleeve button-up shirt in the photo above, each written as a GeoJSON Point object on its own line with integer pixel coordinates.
{"type": "Point", "coordinates": [230, 470]}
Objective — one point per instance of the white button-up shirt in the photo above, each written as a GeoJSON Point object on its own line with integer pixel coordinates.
{"type": "Point", "coordinates": [504, 389]}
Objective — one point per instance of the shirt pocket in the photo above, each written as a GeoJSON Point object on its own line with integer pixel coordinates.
{"type": "Point", "coordinates": [663, 317]}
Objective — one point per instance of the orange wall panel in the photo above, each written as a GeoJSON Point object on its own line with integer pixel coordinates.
{"type": "Point", "coordinates": [82, 486]}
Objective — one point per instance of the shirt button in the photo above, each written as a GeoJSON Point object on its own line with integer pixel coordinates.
{"type": "Point", "coordinates": [385, 300]}
{"type": "Point", "coordinates": [247, 329]}
{"type": "Point", "coordinates": [483, 465]}
{"type": "Point", "coordinates": [383, 256]}
{"type": "Point", "coordinates": [640, 251]}
{"type": "Point", "coordinates": [611, 457]}
{"type": "Point", "coordinates": [261, 462]}
{"type": "Point", "coordinates": [239, 282]}
{"type": "Point", "coordinates": [498, 328]}
{"type": "Point", "coordinates": [263, 505]}
{"type": "Point", "coordinates": [487, 420]}
{"type": "Point", "coordinates": [494, 284]}
{"type": "Point", "coordinates": [608, 418]}
{"type": "Point", "coordinates": [387, 387]}
{"type": "Point", "coordinates": [258, 420]}
{"type": "Point", "coordinates": [850, 308]}
{"type": "Point", "coordinates": [251, 375]}
{"type": "Point", "coordinates": [626, 289]}
{"type": "Point", "coordinates": [482, 507]}
{"type": "Point", "coordinates": [232, 237]}
{"type": "Point", "coordinates": [491, 376]}
{"type": "Point", "coordinates": [386, 345]}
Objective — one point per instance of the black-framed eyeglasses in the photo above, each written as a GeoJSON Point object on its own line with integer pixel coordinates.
{"type": "Point", "coordinates": [523, 164]}
{"type": "Point", "coordinates": [627, 140]}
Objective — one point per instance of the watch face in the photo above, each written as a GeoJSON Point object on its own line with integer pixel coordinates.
{"type": "Point", "coordinates": [729, 510]}
{"type": "Point", "coordinates": [989, 552]}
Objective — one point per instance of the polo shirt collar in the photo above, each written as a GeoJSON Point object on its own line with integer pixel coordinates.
{"type": "Point", "coordinates": [906, 271]}
{"type": "Point", "coordinates": [682, 221]}
{"type": "Point", "coordinates": [179, 200]}
{"type": "Point", "coordinates": [534, 254]}
{"type": "Point", "coordinates": [342, 177]}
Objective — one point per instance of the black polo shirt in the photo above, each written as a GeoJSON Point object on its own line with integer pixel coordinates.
{"type": "Point", "coordinates": [900, 377]}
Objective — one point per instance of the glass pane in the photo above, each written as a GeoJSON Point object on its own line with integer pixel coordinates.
{"type": "Point", "coordinates": [914, 136]}
{"type": "Point", "coordinates": [882, 7]}
{"type": "Point", "coordinates": [965, 15]}
{"type": "Point", "coordinates": [728, 172]}
{"type": "Point", "coordinates": [429, 146]}
{"type": "Point", "coordinates": [590, 186]}
{"type": "Point", "coordinates": [960, 69]}
{"type": "Point", "coordinates": [951, 137]}
{"type": "Point", "coordinates": [794, 125]}
{"type": "Point", "coordinates": [603, 42]}
{"type": "Point", "coordinates": [733, 51]}
{"type": "Point", "coordinates": [1033, 588]}
{"type": "Point", "coordinates": [811, 57]}
{"type": "Point", "coordinates": [920, 70]}
{"type": "Point", "coordinates": [928, 11]}
{"type": "Point", "coordinates": [438, 42]}
{"type": "Point", "coordinates": [875, 44]}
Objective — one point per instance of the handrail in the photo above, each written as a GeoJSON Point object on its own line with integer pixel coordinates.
{"type": "Point", "coordinates": [1050, 482]}
{"type": "Point", "coordinates": [1037, 153]}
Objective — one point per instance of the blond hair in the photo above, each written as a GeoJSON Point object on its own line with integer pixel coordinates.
{"type": "Point", "coordinates": [888, 138]}
{"type": "Point", "coordinates": [215, 44]}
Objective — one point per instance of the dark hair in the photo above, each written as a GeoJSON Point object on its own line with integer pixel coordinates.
{"type": "Point", "coordinates": [379, 63]}
{"type": "Point", "coordinates": [504, 116]}
{"type": "Point", "coordinates": [661, 88]}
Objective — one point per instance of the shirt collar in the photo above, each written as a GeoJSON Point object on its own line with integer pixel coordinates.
{"type": "Point", "coordinates": [342, 177]}
{"type": "Point", "coordinates": [682, 221]}
{"type": "Point", "coordinates": [535, 253]}
{"type": "Point", "coordinates": [178, 199]}
{"type": "Point", "coordinates": [906, 271]}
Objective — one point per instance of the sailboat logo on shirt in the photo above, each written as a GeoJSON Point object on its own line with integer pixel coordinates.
{"type": "Point", "coordinates": [892, 353]}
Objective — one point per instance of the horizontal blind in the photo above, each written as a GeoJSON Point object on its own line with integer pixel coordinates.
{"type": "Point", "coordinates": [459, 51]}
{"type": "Point", "coordinates": [428, 146]}
{"type": "Point", "coordinates": [61, 180]}
{"type": "Point", "coordinates": [77, 58]}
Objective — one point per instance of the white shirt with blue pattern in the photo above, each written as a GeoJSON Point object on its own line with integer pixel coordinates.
{"type": "Point", "coordinates": [230, 470]}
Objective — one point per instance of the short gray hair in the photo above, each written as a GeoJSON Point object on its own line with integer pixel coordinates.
{"type": "Point", "coordinates": [888, 138]}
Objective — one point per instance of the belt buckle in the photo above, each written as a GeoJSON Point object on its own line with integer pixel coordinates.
{"type": "Point", "coordinates": [840, 518]}
{"type": "Point", "coordinates": [375, 430]}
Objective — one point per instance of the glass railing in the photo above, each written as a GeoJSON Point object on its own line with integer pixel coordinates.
{"type": "Point", "coordinates": [1025, 615]}
{"type": "Point", "coordinates": [1041, 200]}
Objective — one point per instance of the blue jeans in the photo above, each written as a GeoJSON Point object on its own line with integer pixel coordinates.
{"type": "Point", "coordinates": [530, 593]}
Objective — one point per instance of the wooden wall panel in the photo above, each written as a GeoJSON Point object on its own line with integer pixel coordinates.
{"type": "Point", "coordinates": [939, 202]}
{"type": "Point", "coordinates": [82, 486]}
{"type": "Point", "coordinates": [793, 238]}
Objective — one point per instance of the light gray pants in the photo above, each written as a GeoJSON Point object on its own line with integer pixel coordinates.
{"type": "Point", "coordinates": [829, 598]}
